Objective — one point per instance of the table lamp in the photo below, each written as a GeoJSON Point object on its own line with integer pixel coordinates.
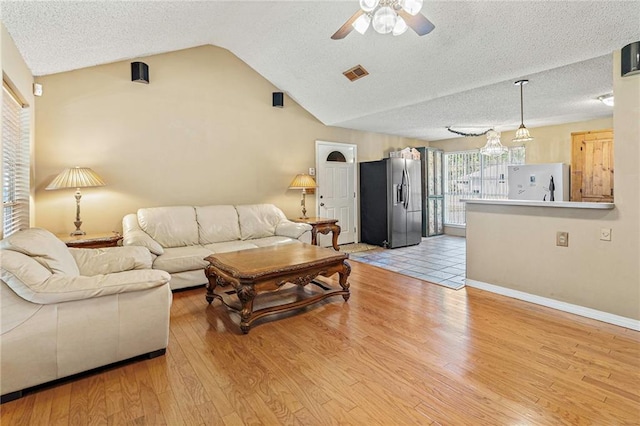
{"type": "Point", "coordinates": [304, 182]}
{"type": "Point", "coordinates": [76, 177]}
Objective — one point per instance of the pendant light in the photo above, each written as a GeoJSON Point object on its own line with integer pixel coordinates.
{"type": "Point", "coordinates": [522, 134]}
{"type": "Point", "coordinates": [493, 148]}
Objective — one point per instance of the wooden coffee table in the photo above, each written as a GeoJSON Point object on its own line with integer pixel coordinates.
{"type": "Point", "coordinates": [251, 277]}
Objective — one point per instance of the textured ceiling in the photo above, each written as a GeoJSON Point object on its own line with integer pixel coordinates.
{"type": "Point", "coordinates": [459, 75]}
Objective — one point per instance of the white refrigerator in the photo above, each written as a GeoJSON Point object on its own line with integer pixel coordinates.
{"type": "Point", "coordinates": [539, 182]}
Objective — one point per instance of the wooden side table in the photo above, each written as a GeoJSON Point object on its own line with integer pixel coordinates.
{"type": "Point", "coordinates": [107, 239]}
{"type": "Point", "coordinates": [322, 225]}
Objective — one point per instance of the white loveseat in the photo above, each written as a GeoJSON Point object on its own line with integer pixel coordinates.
{"type": "Point", "coordinates": [64, 311]}
{"type": "Point", "coordinates": [180, 237]}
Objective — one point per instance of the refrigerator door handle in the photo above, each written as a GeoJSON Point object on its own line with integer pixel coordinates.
{"type": "Point", "coordinates": [406, 187]}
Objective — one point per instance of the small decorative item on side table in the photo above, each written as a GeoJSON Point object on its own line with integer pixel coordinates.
{"type": "Point", "coordinates": [107, 239]}
{"type": "Point", "coordinates": [322, 225]}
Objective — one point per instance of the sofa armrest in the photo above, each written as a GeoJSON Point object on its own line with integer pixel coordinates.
{"type": "Point", "coordinates": [305, 237]}
{"type": "Point", "coordinates": [112, 259]}
{"type": "Point", "coordinates": [292, 229]}
{"type": "Point", "coordinates": [61, 288]}
{"type": "Point", "coordinates": [133, 235]}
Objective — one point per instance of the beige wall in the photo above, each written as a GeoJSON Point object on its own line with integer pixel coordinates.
{"type": "Point", "coordinates": [551, 144]}
{"type": "Point", "coordinates": [514, 247]}
{"type": "Point", "coordinates": [18, 76]}
{"type": "Point", "coordinates": [202, 132]}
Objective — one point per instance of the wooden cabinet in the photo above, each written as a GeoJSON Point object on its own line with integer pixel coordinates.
{"type": "Point", "coordinates": [592, 166]}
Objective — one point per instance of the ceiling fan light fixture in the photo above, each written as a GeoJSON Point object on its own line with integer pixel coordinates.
{"type": "Point", "coordinates": [369, 5]}
{"type": "Point", "coordinates": [412, 7]}
{"type": "Point", "coordinates": [522, 134]}
{"type": "Point", "coordinates": [493, 147]}
{"type": "Point", "coordinates": [384, 20]}
{"type": "Point", "coordinates": [361, 24]}
{"type": "Point", "coordinates": [400, 27]}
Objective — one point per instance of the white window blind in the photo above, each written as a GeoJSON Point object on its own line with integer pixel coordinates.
{"type": "Point", "coordinates": [468, 174]}
{"type": "Point", "coordinates": [15, 164]}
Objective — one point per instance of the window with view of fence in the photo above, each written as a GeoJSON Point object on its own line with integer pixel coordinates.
{"type": "Point", "coordinates": [468, 174]}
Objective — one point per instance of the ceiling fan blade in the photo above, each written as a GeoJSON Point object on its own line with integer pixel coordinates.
{"type": "Point", "coordinates": [419, 23]}
{"type": "Point", "coordinates": [347, 27]}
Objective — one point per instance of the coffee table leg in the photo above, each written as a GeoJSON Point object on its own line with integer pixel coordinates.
{"type": "Point", "coordinates": [344, 276]}
{"type": "Point", "coordinates": [246, 294]}
{"type": "Point", "coordinates": [211, 283]}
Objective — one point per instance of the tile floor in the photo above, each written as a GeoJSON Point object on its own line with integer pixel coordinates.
{"type": "Point", "coordinates": [439, 260]}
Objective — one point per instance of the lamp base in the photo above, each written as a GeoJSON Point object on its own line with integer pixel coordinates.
{"type": "Point", "coordinates": [78, 224]}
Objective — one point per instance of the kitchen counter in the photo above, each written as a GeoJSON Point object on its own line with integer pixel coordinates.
{"type": "Point", "coordinates": [551, 204]}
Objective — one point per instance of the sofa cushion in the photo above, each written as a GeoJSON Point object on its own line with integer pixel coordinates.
{"type": "Point", "coordinates": [170, 226]}
{"type": "Point", "coordinates": [272, 241]}
{"type": "Point", "coordinates": [45, 248]}
{"type": "Point", "coordinates": [111, 259]}
{"type": "Point", "coordinates": [217, 224]}
{"type": "Point", "coordinates": [230, 246]}
{"type": "Point", "coordinates": [178, 259]}
{"type": "Point", "coordinates": [259, 220]}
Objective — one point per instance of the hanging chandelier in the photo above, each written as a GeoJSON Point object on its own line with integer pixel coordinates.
{"type": "Point", "coordinates": [522, 134]}
{"type": "Point", "coordinates": [493, 148]}
{"type": "Point", "coordinates": [383, 15]}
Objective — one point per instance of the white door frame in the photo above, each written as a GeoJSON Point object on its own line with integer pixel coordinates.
{"type": "Point", "coordinates": [356, 186]}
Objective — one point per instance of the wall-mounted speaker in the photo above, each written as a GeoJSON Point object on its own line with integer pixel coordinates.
{"type": "Point", "coordinates": [140, 72]}
{"type": "Point", "coordinates": [630, 59]}
{"type": "Point", "coordinates": [278, 99]}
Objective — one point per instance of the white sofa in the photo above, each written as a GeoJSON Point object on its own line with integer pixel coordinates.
{"type": "Point", "coordinates": [64, 311]}
{"type": "Point", "coordinates": [180, 237]}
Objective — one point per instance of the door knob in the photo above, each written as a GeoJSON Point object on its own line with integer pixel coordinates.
{"type": "Point", "coordinates": [321, 204]}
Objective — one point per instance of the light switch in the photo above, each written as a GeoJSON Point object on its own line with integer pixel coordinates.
{"type": "Point", "coordinates": [605, 234]}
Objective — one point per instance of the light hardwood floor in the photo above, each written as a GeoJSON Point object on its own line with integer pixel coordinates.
{"type": "Point", "coordinates": [401, 351]}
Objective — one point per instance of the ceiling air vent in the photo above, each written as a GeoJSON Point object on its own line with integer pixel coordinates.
{"type": "Point", "coordinates": [355, 73]}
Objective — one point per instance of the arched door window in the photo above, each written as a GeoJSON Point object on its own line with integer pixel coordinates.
{"type": "Point", "coordinates": [336, 156]}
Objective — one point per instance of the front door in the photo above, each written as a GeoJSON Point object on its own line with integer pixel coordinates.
{"type": "Point", "coordinates": [335, 196]}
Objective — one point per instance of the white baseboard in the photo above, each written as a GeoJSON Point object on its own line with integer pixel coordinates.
{"type": "Point", "coordinates": [556, 304]}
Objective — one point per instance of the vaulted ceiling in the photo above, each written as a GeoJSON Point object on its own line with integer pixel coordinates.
{"type": "Point", "coordinates": [460, 75]}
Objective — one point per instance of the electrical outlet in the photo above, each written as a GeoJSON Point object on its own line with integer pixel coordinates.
{"type": "Point", "coordinates": [605, 234]}
{"type": "Point", "coordinates": [312, 171]}
{"type": "Point", "coordinates": [562, 239]}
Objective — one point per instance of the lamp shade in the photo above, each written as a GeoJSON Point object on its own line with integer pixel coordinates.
{"type": "Point", "coordinates": [76, 177]}
{"type": "Point", "coordinates": [303, 181]}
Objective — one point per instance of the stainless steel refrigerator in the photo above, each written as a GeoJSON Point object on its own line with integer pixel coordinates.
{"type": "Point", "coordinates": [391, 202]}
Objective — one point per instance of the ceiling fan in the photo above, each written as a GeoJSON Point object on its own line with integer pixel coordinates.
{"type": "Point", "coordinates": [387, 16]}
